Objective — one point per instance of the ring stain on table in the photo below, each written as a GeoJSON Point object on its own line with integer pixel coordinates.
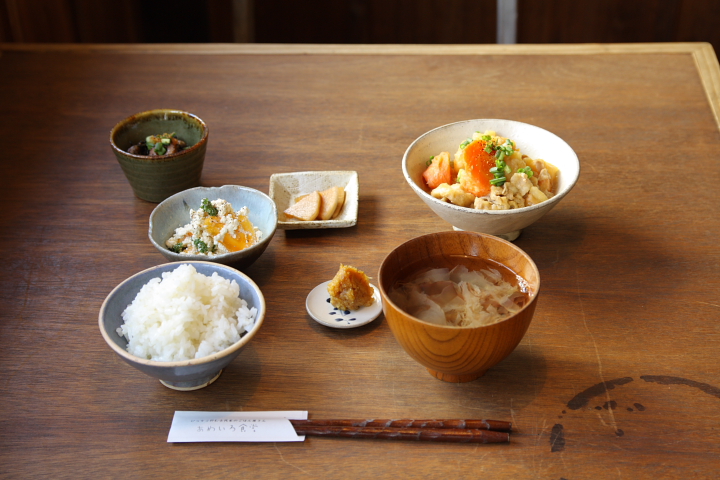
{"type": "Point", "coordinates": [667, 380]}
{"type": "Point", "coordinates": [582, 399]}
{"type": "Point", "coordinates": [557, 438]}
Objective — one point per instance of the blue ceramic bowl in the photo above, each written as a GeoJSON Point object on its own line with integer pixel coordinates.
{"type": "Point", "coordinates": [174, 212]}
{"type": "Point", "coordinates": [186, 374]}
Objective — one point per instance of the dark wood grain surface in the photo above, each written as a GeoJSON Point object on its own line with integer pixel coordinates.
{"type": "Point", "coordinates": [617, 377]}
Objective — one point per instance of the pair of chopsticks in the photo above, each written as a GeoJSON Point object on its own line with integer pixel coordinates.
{"type": "Point", "coordinates": [455, 431]}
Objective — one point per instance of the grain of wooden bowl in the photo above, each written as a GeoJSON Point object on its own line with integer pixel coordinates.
{"type": "Point", "coordinates": [456, 354]}
{"type": "Point", "coordinates": [535, 142]}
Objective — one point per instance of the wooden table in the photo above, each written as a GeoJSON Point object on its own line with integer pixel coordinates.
{"type": "Point", "coordinates": [617, 377]}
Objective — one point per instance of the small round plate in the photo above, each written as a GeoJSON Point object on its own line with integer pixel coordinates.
{"type": "Point", "coordinates": [321, 310]}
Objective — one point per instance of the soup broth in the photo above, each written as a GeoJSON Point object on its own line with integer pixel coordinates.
{"type": "Point", "coordinates": [460, 291]}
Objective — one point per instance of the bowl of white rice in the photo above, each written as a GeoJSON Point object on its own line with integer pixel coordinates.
{"type": "Point", "coordinates": [182, 322]}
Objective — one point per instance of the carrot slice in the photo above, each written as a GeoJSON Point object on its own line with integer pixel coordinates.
{"type": "Point", "coordinates": [477, 176]}
{"type": "Point", "coordinates": [439, 171]}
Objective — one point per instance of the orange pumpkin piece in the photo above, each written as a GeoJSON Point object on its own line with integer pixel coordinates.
{"type": "Point", "coordinates": [242, 240]}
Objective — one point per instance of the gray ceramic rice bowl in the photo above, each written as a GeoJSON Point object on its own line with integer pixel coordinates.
{"type": "Point", "coordinates": [186, 374]}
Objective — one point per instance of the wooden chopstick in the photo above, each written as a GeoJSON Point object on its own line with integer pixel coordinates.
{"type": "Point", "coordinates": [455, 431]}
{"type": "Point", "coordinates": [473, 424]}
{"type": "Point", "coordinates": [453, 435]}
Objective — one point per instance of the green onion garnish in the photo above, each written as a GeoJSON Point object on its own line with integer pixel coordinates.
{"type": "Point", "coordinates": [526, 170]}
{"type": "Point", "coordinates": [160, 148]}
{"type": "Point", "coordinates": [499, 171]}
{"type": "Point", "coordinates": [208, 207]}
{"type": "Point", "coordinates": [200, 245]}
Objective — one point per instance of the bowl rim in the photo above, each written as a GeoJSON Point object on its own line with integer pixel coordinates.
{"type": "Point", "coordinates": [267, 236]}
{"type": "Point", "coordinates": [533, 299]}
{"type": "Point", "coordinates": [426, 196]}
{"type": "Point", "coordinates": [159, 158]}
{"type": "Point", "coordinates": [259, 319]}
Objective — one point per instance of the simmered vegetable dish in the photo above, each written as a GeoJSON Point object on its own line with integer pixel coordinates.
{"type": "Point", "coordinates": [488, 172]}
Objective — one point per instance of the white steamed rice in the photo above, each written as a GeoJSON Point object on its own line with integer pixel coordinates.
{"type": "Point", "coordinates": [185, 315]}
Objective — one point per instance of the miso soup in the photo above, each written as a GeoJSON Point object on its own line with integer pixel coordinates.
{"type": "Point", "coordinates": [460, 291]}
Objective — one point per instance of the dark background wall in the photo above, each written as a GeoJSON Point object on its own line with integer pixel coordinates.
{"type": "Point", "coordinates": [355, 21]}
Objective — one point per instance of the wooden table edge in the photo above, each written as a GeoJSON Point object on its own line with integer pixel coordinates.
{"type": "Point", "coordinates": [702, 52]}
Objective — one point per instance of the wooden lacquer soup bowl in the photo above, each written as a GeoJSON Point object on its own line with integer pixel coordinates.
{"type": "Point", "coordinates": [450, 353]}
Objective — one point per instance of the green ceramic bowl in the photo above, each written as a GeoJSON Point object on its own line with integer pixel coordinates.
{"type": "Point", "coordinates": [156, 178]}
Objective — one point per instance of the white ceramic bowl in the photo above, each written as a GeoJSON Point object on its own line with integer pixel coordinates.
{"type": "Point", "coordinates": [174, 212]}
{"type": "Point", "coordinates": [533, 141]}
{"type": "Point", "coordinates": [185, 374]}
